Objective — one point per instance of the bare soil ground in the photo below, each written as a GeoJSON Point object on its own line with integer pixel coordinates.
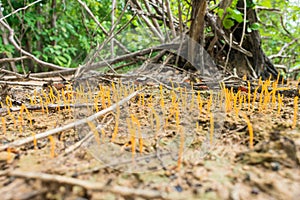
{"type": "Point", "coordinates": [167, 142]}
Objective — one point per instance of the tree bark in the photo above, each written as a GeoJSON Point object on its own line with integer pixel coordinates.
{"type": "Point", "coordinates": [244, 51]}
{"type": "Point", "coordinates": [197, 26]}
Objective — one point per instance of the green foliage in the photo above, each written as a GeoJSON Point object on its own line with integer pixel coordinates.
{"type": "Point", "coordinates": [66, 44]}
{"type": "Point", "coordinates": [275, 36]}
{"type": "Point", "coordinates": [76, 34]}
{"type": "Point", "coordinates": [232, 14]}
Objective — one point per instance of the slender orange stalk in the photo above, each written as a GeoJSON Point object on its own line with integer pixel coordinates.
{"type": "Point", "coordinates": [254, 97]}
{"type": "Point", "coordinates": [295, 112]}
{"type": "Point", "coordinates": [193, 96]}
{"type": "Point", "coordinates": [157, 121]}
{"type": "Point", "coordinates": [209, 104]}
{"type": "Point", "coordinates": [181, 148]}
{"type": "Point", "coordinates": [94, 130]}
{"type": "Point", "coordinates": [108, 97]}
{"type": "Point", "coordinates": [141, 142]}
{"type": "Point", "coordinates": [279, 103]}
{"type": "Point", "coordinates": [96, 103]}
{"type": "Point", "coordinates": [249, 95]}
{"type": "Point", "coordinates": [34, 140]}
{"type": "Point", "coordinates": [9, 158]}
{"type": "Point", "coordinates": [162, 102]}
{"type": "Point", "coordinates": [52, 142]}
{"type": "Point", "coordinates": [211, 128]}
{"type": "Point", "coordinates": [250, 130]}
{"type": "Point", "coordinates": [200, 103]}
{"type": "Point", "coordinates": [114, 135]}
{"type": "Point", "coordinates": [132, 137]}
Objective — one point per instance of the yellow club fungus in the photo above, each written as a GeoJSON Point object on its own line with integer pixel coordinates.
{"type": "Point", "coordinates": [250, 129]}
{"type": "Point", "coordinates": [52, 143]}
{"type": "Point", "coordinates": [94, 130]}
{"type": "Point", "coordinates": [249, 95]}
{"type": "Point", "coordinates": [295, 112]}
{"type": "Point", "coordinates": [116, 128]}
{"type": "Point", "coordinates": [181, 148]}
{"type": "Point", "coordinates": [211, 135]}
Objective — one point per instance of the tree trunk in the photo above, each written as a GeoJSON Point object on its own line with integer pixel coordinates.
{"type": "Point", "coordinates": [242, 49]}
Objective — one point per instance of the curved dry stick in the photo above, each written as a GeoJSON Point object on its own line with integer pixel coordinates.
{"type": "Point", "coordinates": [21, 142]}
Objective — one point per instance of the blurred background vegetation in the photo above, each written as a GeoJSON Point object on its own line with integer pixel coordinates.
{"type": "Point", "coordinates": [63, 33]}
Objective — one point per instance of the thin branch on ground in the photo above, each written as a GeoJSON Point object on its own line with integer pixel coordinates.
{"type": "Point", "coordinates": [75, 146]}
{"type": "Point", "coordinates": [20, 83]}
{"type": "Point", "coordinates": [89, 185]}
{"type": "Point", "coordinates": [49, 106]}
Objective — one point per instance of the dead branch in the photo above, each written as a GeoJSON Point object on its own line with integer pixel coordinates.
{"type": "Point", "coordinates": [130, 56]}
{"type": "Point", "coordinates": [260, 8]}
{"type": "Point", "coordinates": [221, 33]}
{"type": "Point", "coordinates": [69, 71]}
{"type": "Point", "coordinates": [284, 47]}
{"type": "Point", "coordinates": [20, 83]}
{"type": "Point", "coordinates": [21, 142]}
{"type": "Point", "coordinates": [49, 106]}
{"type": "Point", "coordinates": [89, 185]}
{"type": "Point", "coordinates": [100, 26]}
{"type": "Point", "coordinates": [3, 60]}
{"type": "Point", "coordinates": [75, 146]}
{"type": "Point", "coordinates": [170, 16]}
{"type": "Point", "coordinates": [137, 8]}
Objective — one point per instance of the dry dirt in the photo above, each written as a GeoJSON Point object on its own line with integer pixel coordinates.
{"type": "Point", "coordinates": [163, 145]}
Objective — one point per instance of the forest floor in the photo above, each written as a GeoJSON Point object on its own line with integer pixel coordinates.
{"type": "Point", "coordinates": [169, 141]}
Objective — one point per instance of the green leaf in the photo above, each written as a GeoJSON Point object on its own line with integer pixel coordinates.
{"type": "Point", "coordinates": [228, 23]}
{"type": "Point", "coordinates": [236, 15]}
{"type": "Point", "coordinates": [220, 13]}
{"type": "Point", "coordinates": [254, 26]}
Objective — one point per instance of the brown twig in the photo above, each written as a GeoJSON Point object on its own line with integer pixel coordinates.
{"type": "Point", "coordinates": [89, 185]}
{"type": "Point", "coordinates": [49, 106]}
{"type": "Point", "coordinates": [3, 60]}
{"type": "Point", "coordinates": [221, 33]}
{"type": "Point", "coordinates": [75, 146]}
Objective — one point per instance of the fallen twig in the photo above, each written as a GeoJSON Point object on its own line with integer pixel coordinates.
{"type": "Point", "coordinates": [75, 146]}
{"type": "Point", "coordinates": [49, 106]}
{"type": "Point", "coordinates": [89, 185]}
